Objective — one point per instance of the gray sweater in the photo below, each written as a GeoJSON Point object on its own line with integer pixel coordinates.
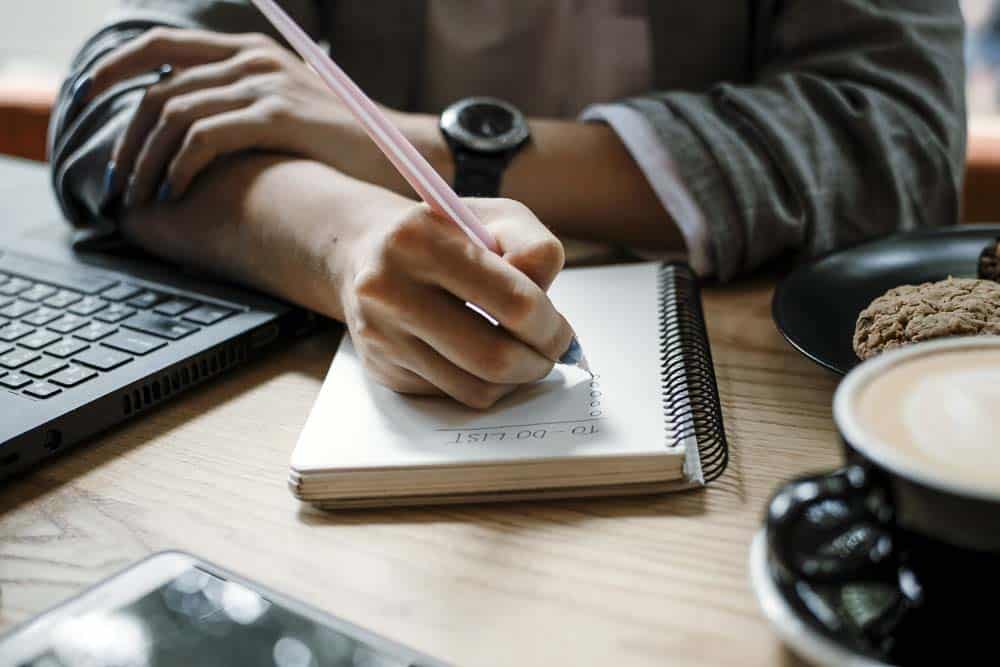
{"type": "Point", "coordinates": [799, 126]}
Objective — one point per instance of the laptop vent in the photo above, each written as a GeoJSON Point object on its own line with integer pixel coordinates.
{"type": "Point", "coordinates": [181, 377]}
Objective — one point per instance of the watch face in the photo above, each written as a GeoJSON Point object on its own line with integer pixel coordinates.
{"type": "Point", "coordinates": [485, 124]}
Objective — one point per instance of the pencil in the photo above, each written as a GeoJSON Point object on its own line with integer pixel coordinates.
{"type": "Point", "coordinates": [407, 160]}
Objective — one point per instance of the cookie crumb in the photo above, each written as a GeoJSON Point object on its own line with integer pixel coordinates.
{"type": "Point", "coordinates": [989, 262]}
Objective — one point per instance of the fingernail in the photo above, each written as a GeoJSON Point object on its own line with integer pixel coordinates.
{"type": "Point", "coordinates": [163, 194]}
{"type": "Point", "coordinates": [81, 89]}
{"type": "Point", "coordinates": [573, 354]}
{"type": "Point", "coordinates": [109, 180]}
{"type": "Point", "coordinates": [130, 192]}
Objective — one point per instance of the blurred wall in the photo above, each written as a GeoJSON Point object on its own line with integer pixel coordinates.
{"type": "Point", "coordinates": [44, 34]}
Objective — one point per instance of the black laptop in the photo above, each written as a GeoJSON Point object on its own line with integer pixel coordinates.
{"type": "Point", "coordinates": [90, 340]}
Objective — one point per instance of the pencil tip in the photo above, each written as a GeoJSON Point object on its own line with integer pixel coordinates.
{"type": "Point", "coordinates": [585, 365]}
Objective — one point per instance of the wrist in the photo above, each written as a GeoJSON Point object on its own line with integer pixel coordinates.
{"type": "Point", "coordinates": [423, 132]}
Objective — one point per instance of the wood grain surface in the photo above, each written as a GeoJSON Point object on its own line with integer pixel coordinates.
{"type": "Point", "coordinates": [636, 581]}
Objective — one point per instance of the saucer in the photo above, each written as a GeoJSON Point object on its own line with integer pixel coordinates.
{"type": "Point", "coordinates": [801, 637]}
{"type": "Point", "coordinates": [816, 306]}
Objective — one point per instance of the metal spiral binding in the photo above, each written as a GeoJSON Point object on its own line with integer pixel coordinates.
{"type": "Point", "coordinates": [690, 394]}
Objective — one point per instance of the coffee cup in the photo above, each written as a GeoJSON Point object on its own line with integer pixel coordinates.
{"type": "Point", "coordinates": [897, 554]}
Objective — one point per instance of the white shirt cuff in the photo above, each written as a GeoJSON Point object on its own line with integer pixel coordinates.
{"type": "Point", "coordinates": [660, 170]}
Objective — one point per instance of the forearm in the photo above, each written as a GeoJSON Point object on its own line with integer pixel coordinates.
{"type": "Point", "coordinates": [279, 224]}
{"type": "Point", "coordinates": [578, 178]}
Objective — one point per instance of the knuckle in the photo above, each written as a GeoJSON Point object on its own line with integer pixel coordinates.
{"type": "Point", "coordinates": [260, 59]}
{"type": "Point", "coordinates": [277, 109]}
{"type": "Point", "coordinates": [496, 363]}
{"type": "Point", "coordinates": [176, 110]}
{"type": "Point", "coordinates": [260, 40]}
{"type": "Point", "coordinates": [483, 395]}
{"type": "Point", "coordinates": [548, 254]}
{"type": "Point", "coordinates": [372, 285]}
{"type": "Point", "coordinates": [410, 236]}
{"type": "Point", "coordinates": [158, 36]}
{"type": "Point", "coordinates": [520, 307]}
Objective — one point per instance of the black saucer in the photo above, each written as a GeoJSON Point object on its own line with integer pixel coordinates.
{"type": "Point", "coordinates": [817, 305]}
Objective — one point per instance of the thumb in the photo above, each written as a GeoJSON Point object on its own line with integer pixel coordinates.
{"type": "Point", "coordinates": [524, 241]}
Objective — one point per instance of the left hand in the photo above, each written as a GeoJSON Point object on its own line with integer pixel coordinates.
{"type": "Point", "coordinates": [227, 94]}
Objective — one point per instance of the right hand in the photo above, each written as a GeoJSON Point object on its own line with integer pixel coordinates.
{"type": "Point", "coordinates": [404, 292]}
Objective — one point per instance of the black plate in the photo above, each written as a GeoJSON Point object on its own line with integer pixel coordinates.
{"type": "Point", "coordinates": [817, 305]}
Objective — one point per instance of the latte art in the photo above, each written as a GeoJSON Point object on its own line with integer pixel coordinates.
{"type": "Point", "coordinates": [941, 412]}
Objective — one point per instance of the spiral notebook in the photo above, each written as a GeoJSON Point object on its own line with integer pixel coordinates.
{"type": "Point", "coordinates": [648, 421]}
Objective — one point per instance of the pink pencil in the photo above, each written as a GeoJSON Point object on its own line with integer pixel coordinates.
{"type": "Point", "coordinates": [407, 159]}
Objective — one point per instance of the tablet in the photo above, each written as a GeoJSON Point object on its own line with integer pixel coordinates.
{"type": "Point", "coordinates": [175, 609]}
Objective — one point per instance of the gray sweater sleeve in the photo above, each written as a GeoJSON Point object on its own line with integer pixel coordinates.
{"type": "Point", "coordinates": [851, 125]}
{"type": "Point", "coordinates": [81, 137]}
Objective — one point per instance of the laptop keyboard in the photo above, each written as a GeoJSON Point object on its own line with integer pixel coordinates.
{"type": "Point", "coordinates": [60, 330]}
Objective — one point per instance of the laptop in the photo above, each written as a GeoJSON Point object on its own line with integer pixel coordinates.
{"type": "Point", "coordinates": [90, 340]}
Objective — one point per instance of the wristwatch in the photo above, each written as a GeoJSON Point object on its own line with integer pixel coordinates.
{"type": "Point", "coordinates": [484, 134]}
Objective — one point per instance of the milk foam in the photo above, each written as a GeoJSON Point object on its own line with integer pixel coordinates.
{"type": "Point", "coordinates": [956, 414]}
{"type": "Point", "coordinates": [940, 412]}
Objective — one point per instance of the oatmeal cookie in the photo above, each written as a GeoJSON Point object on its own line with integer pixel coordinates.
{"type": "Point", "coordinates": [913, 313]}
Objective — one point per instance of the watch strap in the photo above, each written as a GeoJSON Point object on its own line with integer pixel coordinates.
{"type": "Point", "coordinates": [479, 174]}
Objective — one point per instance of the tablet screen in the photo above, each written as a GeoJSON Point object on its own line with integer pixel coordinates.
{"type": "Point", "coordinates": [199, 620]}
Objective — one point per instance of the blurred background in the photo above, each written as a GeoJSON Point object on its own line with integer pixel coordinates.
{"type": "Point", "coordinates": [38, 39]}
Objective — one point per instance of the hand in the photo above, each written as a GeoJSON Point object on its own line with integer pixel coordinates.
{"type": "Point", "coordinates": [404, 292]}
{"type": "Point", "coordinates": [227, 94]}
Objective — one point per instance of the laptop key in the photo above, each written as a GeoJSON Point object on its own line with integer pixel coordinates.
{"type": "Point", "coordinates": [134, 342]}
{"type": "Point", "coordinates": [42, 390]}
{"type": "Point", "coordinates": [68, 324]}
{"type": "Point", "coordinates": [115, 313]}
{"type": "Point", "coordinates": [39, 339]}
{"type": "Point", "coordinates": [5, 348]}
{"type": "Point", "coordinates": [18, 309]}
{"type": "Point", "coordinates": [159, 326]}
{"type": "Point", "coordinates": [175, 307]}
{"type": "Point", "coordinates": [146, 299]}
{"type": "Point", "coordinates": [121, 292]}
{"type": "Point", "coordinates": [95, 331]}
{"type": "Point", "coordinates": [102, 358]}
{"type": "Point", "coordinates": [15, 380]}
{"type": "Point", "coordinates": [88, 306]}
{"type": "Point", "coordinates": [73, 376]}
{"type": "Point", "coordinates": [15, 330]}
{"type": "Point", "coordinates": [14, 286]}
{"type": "Point", "coordinates": [18, 358]}
{"type": "Point", "coordinates": [42, 316]}
{"type": "Point", "coordinates": [63, 299]}
{"type": "Point", "coordinates": [66, 348]}
{"type": "Point", "coordinates": [38, 293]}
{"type": "Point", "coordinates": [208, 315]}
{"type": "Point", "coordinates": [44, 367]}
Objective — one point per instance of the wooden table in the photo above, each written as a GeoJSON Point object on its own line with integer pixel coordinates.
{"type": "Point", "coordinates": [636, 581]}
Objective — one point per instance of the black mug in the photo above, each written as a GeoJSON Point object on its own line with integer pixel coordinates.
{"type": "Point", "coordinates": [884, 557]}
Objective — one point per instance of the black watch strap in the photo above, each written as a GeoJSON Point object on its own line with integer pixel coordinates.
{"type": "Point", "coordinates": [479, 174]}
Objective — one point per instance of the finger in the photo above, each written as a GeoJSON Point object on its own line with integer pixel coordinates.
{"type": "Point", "coordinates": [147, 114]}
{"type": "Point", "coordinates": [465, 388]}
{"type": "Point", "coordinates": [446, 257]}
{"type": "Point", "coordinates": [180, 116]}
{"type": "Point", "coordinates": [470, 342]}
{"type": "Point", "coordinates": [524, 241]}
{"type": "Point", "coordinates": [224, 134]}
{"type": "Point", "coordinates": [400, 379]}
{"type": "Point", "coordinates": [159, 46]}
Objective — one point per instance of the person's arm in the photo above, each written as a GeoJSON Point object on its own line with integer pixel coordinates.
{"type": "Point", "coordinates": [398, 276]}
{"type": "Point", "coordinates": [83, 132]}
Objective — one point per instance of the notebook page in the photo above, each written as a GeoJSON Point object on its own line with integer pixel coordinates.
{"type": "Point", "coordinates": [357, 423]}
